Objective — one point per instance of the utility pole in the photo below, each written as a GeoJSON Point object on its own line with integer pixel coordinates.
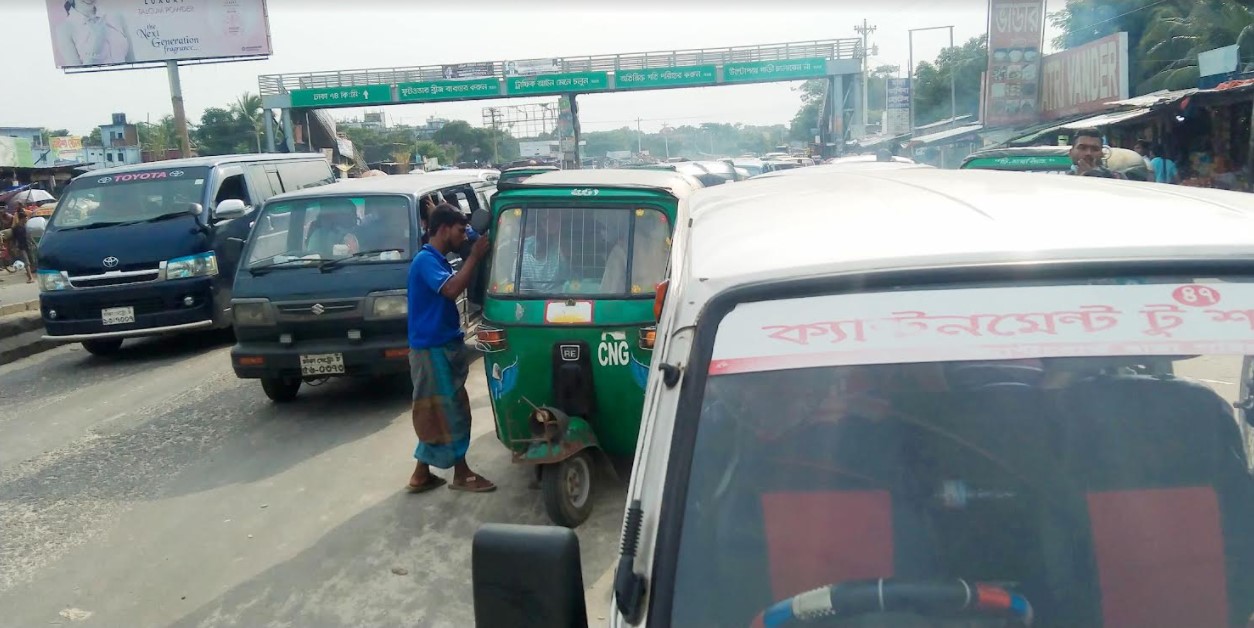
{"type": "Point", "coordinates": [640, 137]}
{"type": "Point", "coordinates": [865, 30]}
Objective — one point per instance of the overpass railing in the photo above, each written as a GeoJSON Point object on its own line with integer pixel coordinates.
{"type": "Point", "coordinates": [850, 48]}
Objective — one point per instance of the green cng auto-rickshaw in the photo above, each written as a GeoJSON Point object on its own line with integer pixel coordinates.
{"type": "Point", "coordinates": [1054, 160]}
{"type": "Point", "coordinates": [567, 330]}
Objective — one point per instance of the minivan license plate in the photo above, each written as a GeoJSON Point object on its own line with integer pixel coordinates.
{"type": "Point", "coordinates": [117, 315]}
{"type": "Point", "coordinates": [316, 364]}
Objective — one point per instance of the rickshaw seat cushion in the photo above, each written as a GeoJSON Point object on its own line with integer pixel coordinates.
{"type": "Point", "coordinates": [1160, 557]}
{"type": "Point", "coordinates": [818, 538]}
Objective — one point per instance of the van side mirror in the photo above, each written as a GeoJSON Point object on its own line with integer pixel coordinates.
{"type": "Point", "coordinates": [229, 208]}
{"type": "Point", "coordinates": [481, 220]}
{"type": "Point", "coordinates": [195, 209]}
{"type": "Point", "coordinates": [527, 575]}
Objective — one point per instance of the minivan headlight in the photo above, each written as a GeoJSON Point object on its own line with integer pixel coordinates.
{"type": "Point", "coordinates": [390, 304]}
{"type": "Point", "coordinates": [251, 313]}
{"type": "Point", "coordinates": [200, 265]}
{"type": "Point", "coordinates": [52, 281]}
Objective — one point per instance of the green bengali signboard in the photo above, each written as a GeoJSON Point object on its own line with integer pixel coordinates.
{"type": "Point", "coordinates": [780, 70]}
{"type": "Point", "coordinates": [342, 96]}
{"type": "Point", "coordinates": [1021, 162]}
{"type": "Point", "coordinates": [652, 78]}
{"type": "Point", "coordinates": [427, 91]}
{"type": "Point", "coordinates": [556, 83]}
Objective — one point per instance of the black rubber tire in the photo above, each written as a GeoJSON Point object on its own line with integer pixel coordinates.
{"type": "Point", "coordinates": [281, 389]}
{"type": "Point", "coordinates": [103, 347]}
{"type": "Point", "coordinates": [556, 483]}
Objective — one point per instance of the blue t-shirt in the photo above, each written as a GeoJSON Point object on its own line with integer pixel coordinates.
{"type": "Point", "coordinates": [433, 319]}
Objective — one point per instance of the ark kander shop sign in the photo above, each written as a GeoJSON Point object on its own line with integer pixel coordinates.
{"type": "Point", "coordinates": [561, 83]}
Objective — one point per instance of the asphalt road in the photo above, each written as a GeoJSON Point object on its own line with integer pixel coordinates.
{"type": "Point", "coordinates": [156, 489]}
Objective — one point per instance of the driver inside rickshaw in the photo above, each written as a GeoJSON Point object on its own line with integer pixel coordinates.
{"type": "Point", "coordinates": [546, 252]}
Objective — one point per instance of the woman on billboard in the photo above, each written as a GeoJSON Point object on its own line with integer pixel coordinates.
{"type": "Point", "coordinates": [91, 36]}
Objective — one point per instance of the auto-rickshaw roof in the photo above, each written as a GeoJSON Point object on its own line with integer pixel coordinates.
{"type": "Point", "coordinates": [854, 220]}
{"type": "Point", "coordinates": [678, 184]}
{"type": "Point", "coordinates": [408, 184]}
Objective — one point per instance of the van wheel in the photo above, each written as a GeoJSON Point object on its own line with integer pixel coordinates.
{"type": "Point", "coordinates": [280, 389]}
{"type": "Point", "coordinates": [107, 346]}
{"type": "Point", "coordinates": [568, 488]}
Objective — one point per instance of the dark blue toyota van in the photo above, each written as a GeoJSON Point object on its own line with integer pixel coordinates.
{"type": "Point", "coordinates": [152, 248]}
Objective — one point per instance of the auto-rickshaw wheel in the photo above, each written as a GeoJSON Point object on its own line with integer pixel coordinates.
{"type": "Point", "coordinates": [568, 487]}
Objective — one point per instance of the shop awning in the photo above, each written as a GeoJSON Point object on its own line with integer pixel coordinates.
{"type": "Point", "coordinates": [1108, 119]}
{"type": "Point", "coordinates": [1155, 99]}
{"type": "Point", "coordinates": [948, 134]}
{"type": "Point", "coordinates": [1098, 121]}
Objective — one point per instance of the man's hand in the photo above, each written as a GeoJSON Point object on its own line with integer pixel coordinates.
{"type": "Point", "coordinates": [480, 248]}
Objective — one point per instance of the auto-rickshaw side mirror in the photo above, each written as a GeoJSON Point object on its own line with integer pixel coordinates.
{"type": "Point", "coordinates": [481, 220]}
{"type": "Point", "coordinates": [525, 575]}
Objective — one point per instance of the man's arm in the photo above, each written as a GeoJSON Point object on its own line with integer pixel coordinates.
{"type": "Point", "coordinates": [458, 283]}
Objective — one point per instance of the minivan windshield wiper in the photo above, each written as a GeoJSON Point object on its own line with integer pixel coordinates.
{"type": "Point", "coordinates": [158, 218]}
{"type": "Point", "coordinates": [332, 264]}
{"type": "Point", "coordinates": [265, 268]}
{"type": "Point", "coordinates": [94, 225]}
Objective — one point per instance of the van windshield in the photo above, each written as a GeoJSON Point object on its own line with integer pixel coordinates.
{"type": "Point", "coordinates": [130, 197]}
{"type": "Point", "coordinates": [1068, 449]}
{"type": "Point", "coordinates": [365, 228]}
{"type": "Point", "coordinates": [543, 251]}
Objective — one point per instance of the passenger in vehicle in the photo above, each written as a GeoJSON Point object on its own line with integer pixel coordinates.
{"type": "Point", "coordinates": [337, 218]}
{"type": "Point", "coordinates": [386, 227]}
{"type": "Point", "coordinates": [650, 253]}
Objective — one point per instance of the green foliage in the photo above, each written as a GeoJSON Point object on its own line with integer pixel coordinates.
{"type": "Point", "coordinates": [932, 92]}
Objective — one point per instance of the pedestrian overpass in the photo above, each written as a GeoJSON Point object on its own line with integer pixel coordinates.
{"type": "Point", "coordinates": [838, 61]}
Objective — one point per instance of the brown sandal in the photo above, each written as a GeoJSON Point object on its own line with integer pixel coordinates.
{"type": "Point", "coordinates": [473, 484]}
{"type": "Point", "coordinates": [433, 482]}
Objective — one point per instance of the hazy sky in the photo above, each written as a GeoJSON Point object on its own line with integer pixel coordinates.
{"type": "Point", "coordinates": [315, 35]}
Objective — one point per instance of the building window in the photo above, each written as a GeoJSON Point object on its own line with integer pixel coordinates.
{"type": "Point", "coordinates": [109, 156]}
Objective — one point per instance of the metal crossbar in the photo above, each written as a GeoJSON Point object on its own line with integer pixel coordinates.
{"type": "Point", "coordinates": [851, 48]}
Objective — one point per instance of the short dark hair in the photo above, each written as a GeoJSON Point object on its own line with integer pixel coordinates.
{"type": "Point", "coordinates": [1146, 144]}
{"type": "Point", "coordinates": [444, 215]}
{"type": "Point", "coordinates": [1086, 132]}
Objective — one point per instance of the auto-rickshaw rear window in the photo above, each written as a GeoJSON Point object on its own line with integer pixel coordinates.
{"type": "Point", "coordinates": [1071, 450]}
{"type": "Point", "coordinates": [562, 251]}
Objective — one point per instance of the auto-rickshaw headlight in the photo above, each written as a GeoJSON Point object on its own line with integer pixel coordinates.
{"type": "Point", "coordinates": [648, 335]}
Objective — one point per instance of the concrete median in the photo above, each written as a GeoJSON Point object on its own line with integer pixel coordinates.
{"type": "Point", "coordinates": [21, 334]}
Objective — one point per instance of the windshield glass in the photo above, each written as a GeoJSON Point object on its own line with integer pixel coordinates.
{"type": "Point", "coordinates": [371, 227]}
{"type": "Point", "coordinates": [130, 197]}
{"type": "Point", "coordinates": [1070, 447]}
{"type": "Point", "coordinates": [579, 251]}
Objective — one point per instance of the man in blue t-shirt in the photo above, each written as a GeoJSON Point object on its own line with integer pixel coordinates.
{"type": "Point", "coordinates": [439, 361]}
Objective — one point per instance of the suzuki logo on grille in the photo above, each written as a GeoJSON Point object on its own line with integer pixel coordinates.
{"type": "Point", "coordinates": [318, 309]}
{"type": "Point", "coordinates": [111, 262]}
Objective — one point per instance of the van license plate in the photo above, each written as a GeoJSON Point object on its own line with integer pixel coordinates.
{"type": "Point", "coordinates": [117, 315]}
{"type": "Point", "coordinates": [317, 364]}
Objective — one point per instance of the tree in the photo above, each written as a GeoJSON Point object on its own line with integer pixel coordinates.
{"type": "Point", "coordinates": [932, 82]}
{"type": "Point", "coordinates": [159, 137]}
{"type": "Point", "coordinates": [247, 108]}
{"type": "Point", "coordinates": [807, 118]}
{"type": "Point", "coordinates": [221, 132]}
{"type": "Point", "coordinates": [93, 139]}
{"type": "Point", "coordinates": [1169, 48]}
{"type": "Point", "coordinates": [57, 133]}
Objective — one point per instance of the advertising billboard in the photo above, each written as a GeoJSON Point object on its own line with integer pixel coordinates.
{"type": "Point", "coordinates": [1083, 79]}
{"type": "Point", "coordinates": [1016, 30]}
{"type": "Point", "coordinates": [532, 67]}
{"type": "Point", "coordinates": [458, 71]}
{"type": "Point", "coordinates": [117, 32]}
